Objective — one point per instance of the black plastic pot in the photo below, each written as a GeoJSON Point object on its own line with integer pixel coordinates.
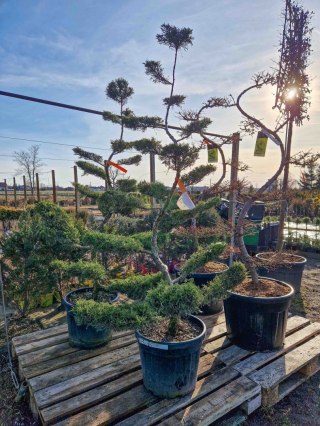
{"type": "Point", "coordinates": [212, 308]}
{"type": "Point", "coordinates": [202, 278]}
{"type": "Point", "coordinates": [85, 336]}
{"type": "Point", "coordinates": [170, 369]}
{"type": "Point", "coordinates": [291, 274]}
{"type": "Point", "coordinates": [257, 323]}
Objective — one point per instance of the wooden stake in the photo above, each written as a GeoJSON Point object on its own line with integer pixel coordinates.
{"type": "Point", "coordinates": [6, 191]}
{"type": "Point", "coordinates": [38, 187]}
{"type": "Point", "coordinates": [233, 182]}
{"type": "Point", "coordinates": [54, 189]}
{"type": "Point", "coordinates": [152, 175]}
{"type": "Point", "coordinates": [24, 190]}
{"type": "Point", "coordinates": [76, 190]}
{"type": "Point", "coordinates": [15, 192]}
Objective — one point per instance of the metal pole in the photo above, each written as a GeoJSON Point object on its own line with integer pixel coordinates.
{"type": "Point", "coordinates": [54, 189]}
{"type": "Point", "coordinates": [152, 175]}
{"type": "Point", "coordinates": [284, 192]}
{"type": "Point", "coordinates": [15, 192]}
{"type": "Point", "coordinates": [24, 190]}
{"type": "Point", "coordinates": [38, 187]}
{"type": "Point", "coordinates": [233, 193]}
{"type": "Point", "coordinates": [76, 190]}
{"type": "Point", "coordinates": [6, 191]}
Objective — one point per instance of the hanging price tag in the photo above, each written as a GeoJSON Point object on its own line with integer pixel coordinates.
{"type": "Point", "coordinates": [212, 155]}
{"type": "Point", "coordinates": [261, 145]}
{"type": "Point", "coordinates": [185, 202]}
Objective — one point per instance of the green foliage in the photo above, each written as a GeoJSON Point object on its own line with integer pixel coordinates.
{"type": "Point", "coordinates": [219, 286]}
{"type": "Point", "coordinates": [83, 270]}
{"type": "Point", "coordinates": [124, 225]}
{"type": "Point", "coordinates": [153, 189]}
{"type": "Point", "coordinates": [85, 190]}
{"type": "Point", "coordinates": [198, 174]}
{"type": "Point", "coordinates": [202, 256]}
{"type": "Point", "coordinates": [147, 146]}
{"type": "Point", "coordinates": [195, 126]}
{"type": "Point", "coordinates": [126, 185]}
{"type": "Point", "coordinates": [179, 156]}
{"type": "Point", "coordinates": [175, 100]}
{"type": "Point", "coordinates": [88, 155]}
{"type": "Point", "coordinates": [10, 213]}
{"type": "Point", "coordinates": [175, 301]}
{"type": "Point", "coordinates": [116, 201]}
{"type": "Point", "coordinates": [175, 38]}
{"type": "Point", "coordinates": [91, 169]}
{"type": "Point", "coordinates": [119, 145]}
{"type": "Point", "coordinates": [155, 71]}
{"type": "Point", "coordinates": [111, 244]}
{"type": "Point", "coordinates": [134, 160]}
{"type": "Point", "coordinates": [135, 286]}
{"type": "Point", "coordinates": [119, 91]}
{"type": "Point", "coordinates": [118, 317]}
{"type": "Point", "coordinates": [45, 233]}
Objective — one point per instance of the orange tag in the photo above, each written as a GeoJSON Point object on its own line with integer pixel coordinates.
{"type": "Point", "coordinates": [111, 163]}
{"type": "Point", "coordinates": [181, 185]}
{"type": "Point", "coordinates": [205, 141]}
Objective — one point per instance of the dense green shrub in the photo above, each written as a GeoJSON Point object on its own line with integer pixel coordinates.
{"type": "Point", "coordinates": [110, 243]}
{"type": "Point", "coordinates": [120, 202]}
{"type": "Point", "coordinates": [202, 256]}
{"type": "Point", "coordinates": [135, 286]}
{"type": "Point", "coordinates": [9, 213]}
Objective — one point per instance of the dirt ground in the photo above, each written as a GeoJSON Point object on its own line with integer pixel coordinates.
{"type": "Point", "coordinates": [300, 408]}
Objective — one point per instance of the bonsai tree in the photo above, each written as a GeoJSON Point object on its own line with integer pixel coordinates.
{"type": "Point", "coordinates": [45, 233]}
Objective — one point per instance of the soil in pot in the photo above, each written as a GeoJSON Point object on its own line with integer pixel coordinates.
{"type": "Point", "coordinates": [256, 317]}
{"type": "Point", "coordinates": [290, 270]}
{"type": "Point", "coordinates": [170, 365]}
{"type": "Point", "coordinates": [86, 336]}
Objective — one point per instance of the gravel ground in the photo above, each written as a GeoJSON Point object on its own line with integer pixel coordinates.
{"type": "Point", "coordinates": [300, 408]}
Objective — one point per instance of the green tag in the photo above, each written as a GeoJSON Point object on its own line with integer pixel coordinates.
{"type": "Point", "coordinates": [212, 155]}
{"type": "Point", "coordinates": [261, 145]}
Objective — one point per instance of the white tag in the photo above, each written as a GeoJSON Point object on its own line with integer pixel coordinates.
{"type": "Point", "coordinates": [153, 344]}
{"type": "Point", "coordinates": [185, 202]}
{"type": "Point", "coordinates": [270, 136]}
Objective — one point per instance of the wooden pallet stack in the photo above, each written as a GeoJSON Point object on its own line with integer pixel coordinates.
{"type": "Point", "coordinates": [69, 386]}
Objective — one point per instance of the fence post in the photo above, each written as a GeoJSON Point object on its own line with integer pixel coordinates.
{"type": "Point", "coordinates": [24, 190]}
{"type": "Point", "coordinates": [234, 191]}
{"type": "Point", "coordinates": [38, 187]}
{"type": "Point", "coordinates": [54, 189]}
{"type": "Point", "coordinates": [76, 190]}
{"type": "Point", "coordinates": [152, 175]}
{"type": "Point", "coordinates": [15, 192]}
{"type": "Point", "coordinates": [6, 191]}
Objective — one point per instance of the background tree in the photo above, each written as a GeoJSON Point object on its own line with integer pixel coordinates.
{"type": "Point", "coordinates": [310, 177]}
{"type": "Point", "coordinates": [29, 164]}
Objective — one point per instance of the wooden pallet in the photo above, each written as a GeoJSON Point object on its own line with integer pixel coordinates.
{"type": "Point", "coordinates": [69, 386]}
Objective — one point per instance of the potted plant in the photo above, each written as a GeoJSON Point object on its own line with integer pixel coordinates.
{"type": "Point", "coordinates": [256, 309]}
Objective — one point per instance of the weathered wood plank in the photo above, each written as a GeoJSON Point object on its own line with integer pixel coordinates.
{"type": "Point", "coordinates": [272, 374]}
{"type": "Point", "coordinates": [166, 407]}
{"type": "Point", "coordinates": [39, 335]}
{"type": "Point", "coordinates": [217, 344]}
{"type": "Point", "coordinates": [257, 360]}
{"type": "Point", "coordinates": [62, 375]}
{"type": "Point", "coordinates": [113, 410]}
{"type": "Point", "coordinates": [216, 332]}
{"type": "Point", "coordinates": [234, 353]}
{"type": "Point", "coordinates": [216, 405]}
{"type": "Point", "coordinates": [66, 408]}
{"type": "Point", "coordinates": [69, 359]}
{"type": "Point", "coordinates": [41, 344]}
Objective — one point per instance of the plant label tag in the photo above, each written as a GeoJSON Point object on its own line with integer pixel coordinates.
{"type": "Point", "coordinates": [153, 344]}
{"type": "Point", "coordinates": [185, 202]}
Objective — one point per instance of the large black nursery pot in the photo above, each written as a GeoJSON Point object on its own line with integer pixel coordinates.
{"type": "Point", "coordinates": [170, 369]}
{"type": "Point", "coordinates": [257, 323]}
{"type": "Point", "coordinates": [291, 274]}
{"type": "Point", "coordinates": [85, 336]}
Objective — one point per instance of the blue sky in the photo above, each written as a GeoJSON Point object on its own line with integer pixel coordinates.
{"type": "Point", "coordinates": [67, 51]}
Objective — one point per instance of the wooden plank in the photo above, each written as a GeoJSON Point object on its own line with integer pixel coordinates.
{"type": "Point", "coordinates": [215, 405]}
{"type": "Point", "coordinates": [41, 344]}
{"type": "Point", "coordinates": [257, 360]}
{"type": "Point", "coordinates": [64, 374]}
{"type": "Point", "coordinates": [216, 345]}
{"type": "Point", "coordinates": [213, 320]}
{"type": "Point", "coordinates": [291, 383]}
{"type": "Point", "coordinates": [235, 353]}
{"type": "Point", "coordinates": [166, 407]}
{"type": "Point", "coordinates": [113, 410]}
{"type": "Point", "coordinates": [272, 374]}
{"type": "Point", "coordinates": [71, 406]}
{"type": "Point", "coordinates": [72, 358]}
{"type": "Point", "coordinates": [216, 332]}
{"type": "Point", "coordinates": [39, 335]}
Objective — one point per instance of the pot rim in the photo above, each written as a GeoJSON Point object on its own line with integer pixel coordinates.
{"type": "Point", "coordinates": [177, 269]}
{"type": "Point", "coordinates": [82, 290]}
{"type": "Point", "coordinates": [175, 345]}
{"type": "Point", "coordinates": [266, 299]}
{"type": "Point", "coordinates": [304, 260]}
